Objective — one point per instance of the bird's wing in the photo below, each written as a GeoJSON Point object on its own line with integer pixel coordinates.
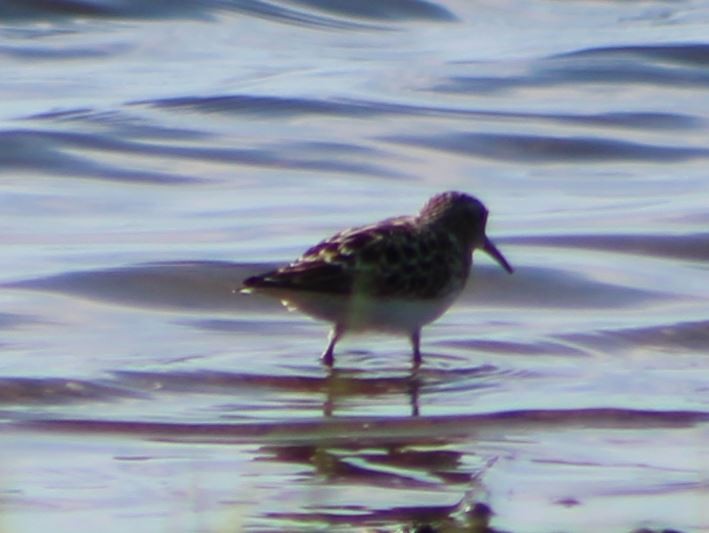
{"type": "Point", "coordinates": [348, 260]}
{"type": "Point", "coordinates": [315, 276]}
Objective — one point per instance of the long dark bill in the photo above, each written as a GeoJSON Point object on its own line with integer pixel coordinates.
{"type": "Point", "coordinates": [497, 255]}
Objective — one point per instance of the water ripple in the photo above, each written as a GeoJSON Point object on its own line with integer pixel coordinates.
{"type": "Point", "coordinates": [666, 66]}
{"type": "Point", "coordinates": [327, 14]}
{"type": "Point", "coordinates": [378, 430]}
{"type": "Point", "coordinates": [57, 391]}
{"type": "Point", "coordinates": [216, 285]}
{"type": "Point", "coordinates": [194, 285]}
{"type": "Point", "coordinates": [274, 106]}
{"type": "Point", "coordinates": [548, 149]}
{"type": "Point", "coordinates": [694, 54]}
{"type": "Point", "coordinates": [51, 152]}
{"type": "Point", "coordinates": [694, 247]}
{"type": "Point", "coordinates": [260, 106]}
{"type": "Point", "coordinates": [677, 337]}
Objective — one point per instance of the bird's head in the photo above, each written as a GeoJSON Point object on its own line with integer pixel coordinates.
{"type": "Point", "coordinates": [465, 217]}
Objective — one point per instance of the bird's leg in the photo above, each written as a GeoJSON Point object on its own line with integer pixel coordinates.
{"type": "Point", "coordinates": [328, 356]}
{"type": "Point", "coordinates": [415, 345]}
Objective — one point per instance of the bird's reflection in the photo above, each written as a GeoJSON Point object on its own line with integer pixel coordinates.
{"type": "Point", "coordinates": [409, 466]}
{"type": "Point", "coordinates": [396, 453]}
{"type": "Point", "coordinates": [348, 451]}
{"type": "Point", "coordinates": [339, 384]}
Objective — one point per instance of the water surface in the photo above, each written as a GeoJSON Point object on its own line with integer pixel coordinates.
{"type": "Point", "coordinates": [154, 155]}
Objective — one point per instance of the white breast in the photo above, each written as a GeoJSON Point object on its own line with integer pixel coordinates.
{"type": "Point", "coordinates": [361, 313]}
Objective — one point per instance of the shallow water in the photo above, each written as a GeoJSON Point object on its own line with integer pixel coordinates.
{"type": "Point", "coordinates": [153, 155]}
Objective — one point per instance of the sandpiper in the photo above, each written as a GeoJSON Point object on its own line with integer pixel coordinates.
{"type": "Point", "coordinates": [394, 276]}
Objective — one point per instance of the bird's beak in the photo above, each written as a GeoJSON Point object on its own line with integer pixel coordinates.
{"type": "Point", "coordinates": [492, 250]}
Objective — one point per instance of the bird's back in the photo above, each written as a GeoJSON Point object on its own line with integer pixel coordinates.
{"type": "Point", "coordinates": [397, 257]}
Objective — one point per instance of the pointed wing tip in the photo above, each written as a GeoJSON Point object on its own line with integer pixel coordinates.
{"type": "Point", "coordinates": [254, 283]}
{"type": "Point", "coordinates": [278, 280]}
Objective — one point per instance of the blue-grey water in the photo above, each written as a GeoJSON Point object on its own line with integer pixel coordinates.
{"type": "Point", "coordinates": [153, 154]}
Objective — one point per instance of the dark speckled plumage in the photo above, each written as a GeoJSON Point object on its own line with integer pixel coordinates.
{"type": "Point", "coordinates": [393, 258]}
{"type": "Point", "coordinates": [411, 257]}
{"type": "Point", "coordinates": [423, 258]}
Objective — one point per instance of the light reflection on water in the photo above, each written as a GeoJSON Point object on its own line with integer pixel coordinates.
{"type": "Point", "coordinates": [140, 389]}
